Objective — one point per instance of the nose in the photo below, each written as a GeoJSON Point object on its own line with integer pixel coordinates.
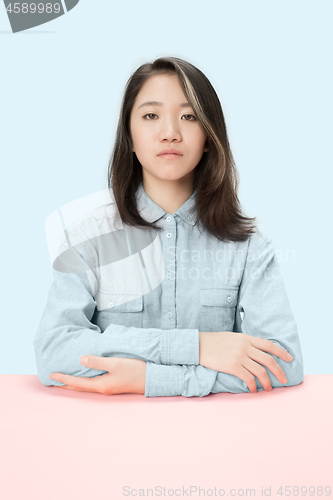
{"type": "Point", "coordinates": [169, 130]}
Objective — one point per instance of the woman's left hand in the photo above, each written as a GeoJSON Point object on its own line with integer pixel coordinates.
{"type": "Point", "coordinates": [126, 375]}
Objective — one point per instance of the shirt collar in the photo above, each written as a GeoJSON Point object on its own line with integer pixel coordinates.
{"type": "Point", "coordinates": [151, 212]}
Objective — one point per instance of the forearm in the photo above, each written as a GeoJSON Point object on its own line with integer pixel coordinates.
{"type": "Point", "coordinates": [59, 349]}
{"type": "Point", "coordinates": [66, 333]}
{"type": "Point", "coordinates": [188, 381]}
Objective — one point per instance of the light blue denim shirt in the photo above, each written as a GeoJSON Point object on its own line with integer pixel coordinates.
{"type": "Point", "coordinates": [147, 294]}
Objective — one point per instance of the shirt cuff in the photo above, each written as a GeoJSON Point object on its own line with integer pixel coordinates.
{"type": "Point", "coordinates": [180, 347]}
{"type": "Point", "coordinates": [162, 380]}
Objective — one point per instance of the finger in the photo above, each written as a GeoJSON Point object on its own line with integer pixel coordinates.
{"type": "Point", "coordinates": [99, 362]}
{"type": "Point", "coordinates": [268, 346]}
{"type": "Point", "coordinates": [69, 387]}
{"type": "Point", "coordinates": [247, 377]}
{"type": "Point", "coordinates": [267, 360]}
{"type": "Point", "coordinates": [260, 372]}
{"type": "Point", "coordinates": [77, 383]}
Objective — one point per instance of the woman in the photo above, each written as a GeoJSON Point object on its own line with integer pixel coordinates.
{"type": "Point", "coordinates": [180, 293]}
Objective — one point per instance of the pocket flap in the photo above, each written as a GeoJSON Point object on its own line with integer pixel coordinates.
{"type": "Point", "coordinates": [118, 302]}
{"type": "Point", "coordinates": [133, 305]}
{"type": "Point", "coordinates": [225, 297]}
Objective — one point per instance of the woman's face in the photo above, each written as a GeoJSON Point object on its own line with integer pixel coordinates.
{"type": "Point", "coordinates": [167, 124]}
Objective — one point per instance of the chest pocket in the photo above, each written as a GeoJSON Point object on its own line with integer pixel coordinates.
{"type": "Point", "coordinates": [217, 309]}
{"type": "Point", "coordinates": [126, 314]}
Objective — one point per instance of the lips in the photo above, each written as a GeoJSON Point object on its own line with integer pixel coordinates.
{"type": "Point", "coordinates": [170, 156]}
{"type": "Point", "coordinates": [170, 152]}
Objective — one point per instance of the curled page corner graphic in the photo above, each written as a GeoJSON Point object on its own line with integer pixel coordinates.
{"type": "Point", "coordinates": [122, 262]}
{"type": "Point", "coordinates": [70, 4]}
{"type": "Point", "coordinates": [26, 15]}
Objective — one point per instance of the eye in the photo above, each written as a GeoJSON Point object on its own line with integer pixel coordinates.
{"type": "Point", "coordinates": [194, 118]}
{"type": "Point", "coordinates": [149, 114]}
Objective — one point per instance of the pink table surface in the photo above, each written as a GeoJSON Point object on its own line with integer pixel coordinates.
{"type": "Point", "coordinates": [58, 444]}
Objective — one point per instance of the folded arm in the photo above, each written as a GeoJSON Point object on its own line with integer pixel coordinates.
{"type": "Point", "coordinates": [66, 333]}
{"type": "Point", "coordinates": [263, 310]}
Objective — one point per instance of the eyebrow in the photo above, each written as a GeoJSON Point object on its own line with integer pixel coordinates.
{"type": "Point", "coordinates": [156, 103]}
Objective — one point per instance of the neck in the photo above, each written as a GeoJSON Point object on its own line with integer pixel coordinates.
{"type": "Point", "coordinates": [169, 195]}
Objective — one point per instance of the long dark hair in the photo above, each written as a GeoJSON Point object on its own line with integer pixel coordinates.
{"type": "Point", "coordinates": [215, 176]}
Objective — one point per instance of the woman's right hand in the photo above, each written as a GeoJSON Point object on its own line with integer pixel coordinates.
{"type": "Point", "coordinates": [240, 354]}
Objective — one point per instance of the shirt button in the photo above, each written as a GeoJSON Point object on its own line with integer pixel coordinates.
{"type": "Point", "coordinates": [169, 275]}
{"type": "Point", "coordinates": [229, 299]}
{"type": "Point", "coordinates": [168, 235]}
{"type": "Point", "coordinates": [169, 314]}
{"type": "Point", "coordinates": [111, 304]}
{"type": "Point", "coordinates": [168, 219]}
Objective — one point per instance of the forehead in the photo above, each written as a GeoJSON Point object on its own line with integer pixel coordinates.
{"type": "Point", "coordinates": [159, 87]}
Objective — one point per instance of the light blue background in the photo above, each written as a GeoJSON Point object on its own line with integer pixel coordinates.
{"type": "Point", "coordinates": [61, 88]}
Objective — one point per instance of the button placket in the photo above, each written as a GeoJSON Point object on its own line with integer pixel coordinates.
{"type": "Point", "coordinates": [169, 219]}
{"type": "Point", "coordinates": [169, 305]}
